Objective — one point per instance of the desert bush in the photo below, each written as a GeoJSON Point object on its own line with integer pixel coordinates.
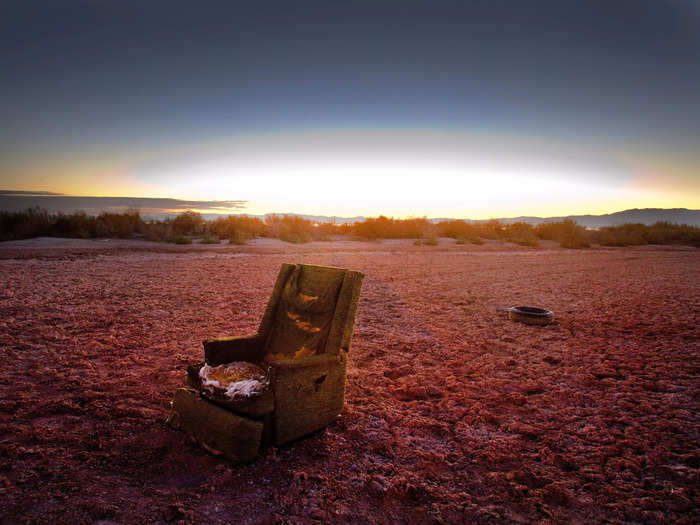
{"type": "Point", "coordinates": [461, 230]}
{"type": "Point", "coordinates": [520, 233]}
{"type": "Point", "coordinates": [121, 225]}
{"type": "Point", "coordinates": [623, 235]}
{"type": "Point", "coordinates": [295, 237]}
{"type": "Point", "coordinates": [188, 223]}
{"type": "Point", "coordinates": [290, 228]}
{"type": "Point", "coordinates": [638, 234]}
{"type": "Point", "coordinates": [239, 228]}
{"type": "Point", "coordinates": [32, 222]}
{"type": "Point", "coordinates": [567, 233]}
{"type": "Point", "coordinates": [472, 240]}
{"type": "Point", "coordinates": [574, 240]}
{"type": "Point", "coordinates": [325, 231]}
{"type": "Point", "coordinates": [431, 241]}
{"type": "Point", "coordinates": [209, 239]}
{"type": "Point", "coordinates": [668, 233]}
{"type": "Point", "coordinates": [157, 231]}
{"type": "Point", "coordinates": [36, 222]}
{"type": "Point", "coordinates": [374, 228]}
{"type": "Point", "coordinates": [527, 239]}
{"type": "Point", "coordinates": [389, 228]}
{"type": "Point", "coordinates": [239, 237]}
{"type": "Point", "coordinates": [179, 239]}
{"type": "Point", "coordinates": [492, 229]}
{"type": "Point", "coordinates": [76, 224]}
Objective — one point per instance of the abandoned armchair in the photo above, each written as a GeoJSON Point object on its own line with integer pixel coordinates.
{"type": "Point", "coordinates": [283, 382]}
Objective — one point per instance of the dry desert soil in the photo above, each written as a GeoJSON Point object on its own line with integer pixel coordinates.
{"type": "Point", "coordinates": [454, 413]}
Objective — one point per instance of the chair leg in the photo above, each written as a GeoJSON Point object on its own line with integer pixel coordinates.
{"type": "Point", "coordinates": [216, 429]}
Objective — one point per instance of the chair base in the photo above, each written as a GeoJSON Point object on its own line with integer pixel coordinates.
{"type": "Point", "coordinates": [216, 429]}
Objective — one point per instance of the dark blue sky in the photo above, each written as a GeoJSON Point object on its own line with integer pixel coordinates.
{"type": "Point", "coordinates": [105, 78]}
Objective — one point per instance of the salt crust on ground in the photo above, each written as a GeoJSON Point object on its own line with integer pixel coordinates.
{"type": "Point", "coordinates": [453, 413]}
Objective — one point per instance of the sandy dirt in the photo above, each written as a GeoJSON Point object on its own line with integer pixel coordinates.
{"type": "Point", "coordinates": [454, 414]}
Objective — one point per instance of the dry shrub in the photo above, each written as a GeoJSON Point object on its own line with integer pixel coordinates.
{"type": "Point", "coordinates": [520, 233]}
{"type": "Point", "coordinates": [639, 234]}
{"type": "Point", "coordinates": [492, 229]}
{"type": "Point", "coordinates": [389, 228]}
{"type": "Point", "coordinates": [526, 240]}
{"type": "Point", "coordinates": [188, 223]}
{"type": "Point", "coordinates": [238, 229]}
{"type": "Point", "coordinates": [624, 235]}
{"type": "Point", "coordinates": [668, 233]}
{"type": "Point", "coordinates": [32, 222]}
{"type": "Point", "coordinates": [295, 237]}
{"type": "Point", "coordinates": [35, 222]}
{"type": "Point", "coordinates": [239, 237]}
{"type": "Point", "coordinates": [289, 228]}
{"type": "Point", "coordinates": [209, 239]}
{"type": "Point", "coordinates": [567, 233]}
{"type": "Point", "coordinates": [121, 225]}
{"type": "Point", "coordinates": [179, 239]}
{"type": "Point", "coordinates": [574, 240]}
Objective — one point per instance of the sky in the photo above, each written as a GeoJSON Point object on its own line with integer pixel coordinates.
{"type": "Point", "coordinates": [470, 109]}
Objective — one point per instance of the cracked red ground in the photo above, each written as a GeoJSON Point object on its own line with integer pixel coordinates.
{"type": "Point", "coordinates": [454, 413]}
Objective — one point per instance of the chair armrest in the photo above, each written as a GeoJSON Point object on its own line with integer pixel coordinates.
{"type": "Point", "coordinates": [228, 349]}
{"type": "Point", "coordinates": [293, 369]}
{"type": "Point", "coordinates": [307, 362]}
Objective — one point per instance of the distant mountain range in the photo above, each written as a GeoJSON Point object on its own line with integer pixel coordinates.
{"type": "Point", "coordinates": [644, 216]}
{"type": "Point", "coordinates": [13, 200]}
{"type": "Point", "coordinates": [636, 215]}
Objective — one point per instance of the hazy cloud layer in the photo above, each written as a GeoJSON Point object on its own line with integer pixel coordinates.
{"type": "Point", "coordinates": [148, 207]}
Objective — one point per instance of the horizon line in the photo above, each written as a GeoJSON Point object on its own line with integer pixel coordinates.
{"type": "Point", "coordinates": [214, 207]}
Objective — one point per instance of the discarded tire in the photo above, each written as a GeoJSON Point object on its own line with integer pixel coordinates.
{"type": "Point", "coordinates": [530, 315]}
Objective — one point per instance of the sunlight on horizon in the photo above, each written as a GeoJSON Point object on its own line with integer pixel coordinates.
{"type": "Point", "coordinates": [405, 173]}
{"type": "Point", "coordinates": [398, 173]}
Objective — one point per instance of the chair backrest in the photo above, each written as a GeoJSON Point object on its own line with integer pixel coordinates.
{"type": "Point", "coordinates": [311, 311]}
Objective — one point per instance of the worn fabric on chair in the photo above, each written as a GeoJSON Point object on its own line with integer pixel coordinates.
{"type": "Point", "coordinates": [235, 380]}
{"type": "Point", "coordinates": [303, 317]}
{"type": "Point", "coordinates": [239, 386]}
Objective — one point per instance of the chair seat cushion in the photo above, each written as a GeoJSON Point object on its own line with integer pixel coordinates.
{"type": "Point", "coordinates": [235, 380]}
{"type": "Point", "coordinates": [240, 386]}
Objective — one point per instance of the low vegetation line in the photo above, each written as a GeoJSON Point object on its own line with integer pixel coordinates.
{"type": "Point", "coordinates": [239, 229]}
